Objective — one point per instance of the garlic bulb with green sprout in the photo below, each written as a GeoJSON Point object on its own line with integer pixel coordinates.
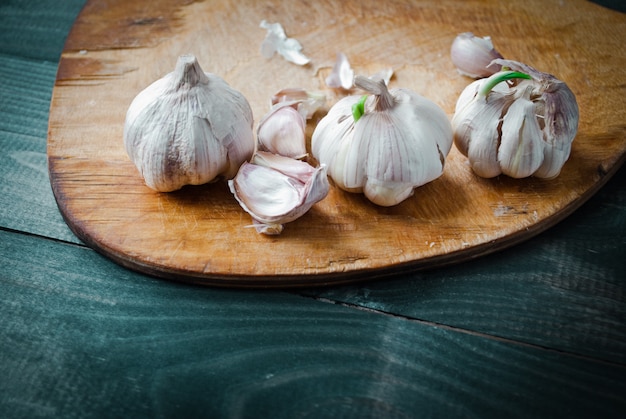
{"type": "Point", "coordinates": [473, 56]}
{"type": "Point", "coordinates": [383, 144]}
{"type": "Point", "coordinates": [188, 128]}
{"type": "Point", "coordinates": [276, 190]}
{"type": "Point", "coordinates": [519, 122]}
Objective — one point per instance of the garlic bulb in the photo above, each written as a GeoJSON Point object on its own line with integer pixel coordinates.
{"type": "Point", "coordinates": [523, 127]}
{"type": "Point", "coordinates": [187, 128]}
{"type": "Point", "coordinates": [276, 190]}
{"type": "Point", "coordinates": [473, 56]}
{"type": "Point", "coordinates": [384, 144]}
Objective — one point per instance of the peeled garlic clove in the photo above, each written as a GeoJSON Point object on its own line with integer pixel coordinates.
{"type": "Point", "coordinates": [473, 56]}
{"type": "Point", "coordinates": [384, 145]}
{"type": "Point", "coordinates": [282, 131]}
{"type": "Point", "coordinates": [188, 128]}
{"type": "Point", "coordinates": [342, 74]}
{"type": "Point", "coordinates": [276, 190]}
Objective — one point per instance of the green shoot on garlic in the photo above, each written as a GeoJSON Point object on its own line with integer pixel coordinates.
{"type": "Point", "coordinates": [384, 144]}
{"type": "Point", "coordinates": [519, 122]}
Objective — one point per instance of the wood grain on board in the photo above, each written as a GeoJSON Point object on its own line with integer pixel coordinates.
{"type": "Point", "coordinates": [201, 235]}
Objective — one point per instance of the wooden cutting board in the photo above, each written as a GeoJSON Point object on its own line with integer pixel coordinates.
{"type": "Point", "coordinates": [201, 235]}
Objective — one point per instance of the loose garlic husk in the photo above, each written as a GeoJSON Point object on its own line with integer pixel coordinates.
{"type": "Point", "coordinates": [520, 128]}
{"type": "Point", "coordinates": [384, 144]}
{"type": "Point", "coordinates": [276, 190]}
{"type": "Point", "coordinates": [473, 56]}
{"type": "Point", "coordinates": [188, 128]}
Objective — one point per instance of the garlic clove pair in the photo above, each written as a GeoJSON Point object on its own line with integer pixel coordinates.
{"type": "Point", "coordinates": [188, 128]}
{"type": "Point", "coordinates": [520, 122]}
{"type": "Point", "coordinates": [473, 56]}
{"type": "Point", "coordinates": [383, 144]}
{"type": "Point", "coordinates": [276, 190]}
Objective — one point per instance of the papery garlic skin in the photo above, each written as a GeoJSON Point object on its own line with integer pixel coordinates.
{"type": "Point", "coordinates": [282, 131]}
{"type": "Point", "coordinates": [188, 128]}
{"type": "Point", "coordinates": [473, 56]}
{"type": "Point", "coordinates": [525, 128]}
{"type": "Point", "coordinates": [399, 142]}
{"type": "Point", "coordinates": [276, 190]}
{"type": "Point", "coordinates": [306, 102]}
{"type": "Point", "coordinates": [342, 75]}
{"type": "Point", "coordinates": [276, 40]}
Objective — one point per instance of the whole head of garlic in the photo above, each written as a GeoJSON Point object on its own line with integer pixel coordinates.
{"type": "Point", "coordinates": [188, 128]}
{"type": "Point", "coordinates": [473, 56]}
{"type": "Point", "coordinates": [383, 144]}
{"type": "Point", "coordinates": [276, 190]}
{"type": "Point", "coordinates": [519, 122]}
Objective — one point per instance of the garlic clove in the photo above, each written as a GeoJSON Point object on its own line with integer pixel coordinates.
{"type": "Point", "coordinates": [276, 190]}
{"type": "Point", "coordinates": [282, 131]}
{"type": "Point", "coordinates": [473, 56]}
{"type": "Point", "coordinates": [342, 75]}
{"type": "Point", "coordinates": [520, 153]}
{"type": "Point", "coordinates": [188, 128]}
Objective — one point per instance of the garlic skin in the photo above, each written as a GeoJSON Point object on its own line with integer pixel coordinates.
{"type": "Point", "coordinates": [473, 56]}
{"type": "Point", "coordinates": [282, 131]}
{"type": "Point", "coordinates": [188, 128]}
{"type": "Point", "coordinates": [276, 190]}
{"type": "Point", "coordinates": [276, 40]}
{"type": "Point", "coordinates": [519, 128]}
{"type": "Point", "coordinates": [384, 144]}
{"type": "Point", "coordinates": [342, 75]}
{"type": "Point", "coordinates": [306, 102]}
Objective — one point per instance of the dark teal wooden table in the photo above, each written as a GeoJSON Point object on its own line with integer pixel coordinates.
{"type": "Point", "coordinates": [538, 330]}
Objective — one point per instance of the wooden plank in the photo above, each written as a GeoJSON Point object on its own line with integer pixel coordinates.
{"type": "Point", "coordinates": [343, 238]}
{"type": "Point", "coordinates": [81, 334]}
{"type": "Point", "coordinates": [34, 29]}
{"type": "Point", "coordinates": [562, 290]}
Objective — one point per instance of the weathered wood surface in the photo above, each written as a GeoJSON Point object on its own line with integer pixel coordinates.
{"type": "Point", "coordinates": [536, 331]}
{"type": "Point", "coordinates": [199, 234]}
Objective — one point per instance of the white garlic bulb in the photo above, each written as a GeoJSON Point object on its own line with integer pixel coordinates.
{"type": "Point", "coordinates": [188, 128]}
{"type": "Point", "coordinates": [473, 56]}
{"type": "Point", "coordinates": [276, 190]}
{"type": "Point", "coordinates": [384, 144]}
{"type": "Point", "coordinates": [520, 122]}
